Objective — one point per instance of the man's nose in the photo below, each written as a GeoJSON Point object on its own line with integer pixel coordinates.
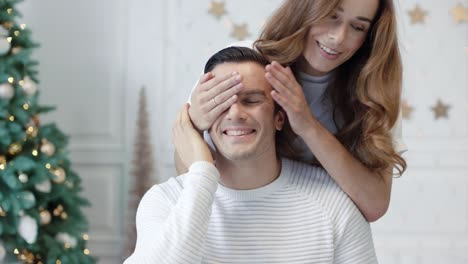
{"type": "Point", "coordinates": [236, 111]}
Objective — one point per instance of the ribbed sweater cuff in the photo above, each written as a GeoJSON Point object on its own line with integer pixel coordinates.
{"type": "Point", "coordinates": [205, 174]}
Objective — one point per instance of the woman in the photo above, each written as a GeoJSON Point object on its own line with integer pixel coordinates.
{"type": "Point", "coordinates": [345, 56]}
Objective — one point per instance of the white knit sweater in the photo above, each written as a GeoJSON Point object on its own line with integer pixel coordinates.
{"type": "Point", "coordinates": [301, 217]}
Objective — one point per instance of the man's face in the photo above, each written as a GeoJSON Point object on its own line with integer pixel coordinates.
{"type": "Point", "coordinates": [247, 129]}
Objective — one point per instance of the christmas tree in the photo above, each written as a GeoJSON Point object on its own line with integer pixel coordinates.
{"type": "Point", "coordinates": [40, 205]}
{"type": "Point", "coordinates": [143, 169]}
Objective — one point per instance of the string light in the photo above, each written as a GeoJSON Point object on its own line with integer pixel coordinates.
{"type": "Point", "coordinates": [23, 26]}
{"type": "Point", "coordinates": [26, 106]}
{"type": "Point", "coordinates": [17, 33]}
{"type": "Point", "coordinates": [11, 118]}
{"type": "Point", "coordinates": [16, 251]}
{"type": "Point", "coordinates": [58, 261]}
{"type": "Point", "coordinates": [9, 39]}
{"type": "Point", "coordinates": [11, 79]}
{"type": "Point", "coordinates": [21, 82]}
{"type": "Point", "coordinates": [85, 237]}
{"type": "Point", "coordinates": [10, 10]}
{"type": "Point", "coordinates": [86, 251]}
{"type": "Point", "coordinates": [48, 166]}
{"type": "Point", "coordinates": [34, 153]}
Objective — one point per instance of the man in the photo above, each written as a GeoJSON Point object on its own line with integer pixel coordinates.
{"type": "Point", "coordinates": [251, 206]}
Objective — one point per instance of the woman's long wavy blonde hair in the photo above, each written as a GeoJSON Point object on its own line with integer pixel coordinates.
{"type": "Point", "coordinates": [365, 90]}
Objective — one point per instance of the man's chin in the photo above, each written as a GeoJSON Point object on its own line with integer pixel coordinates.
{"type": "Point", "coordinates": [236, 155]}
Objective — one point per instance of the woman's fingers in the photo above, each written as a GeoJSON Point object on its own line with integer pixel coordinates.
{"type": "Point", "coordinates": [220, 88]}
{"type": "Point", "coordinates": [277, 84]}
{"type": "Point", "coordinates": [205, 77]}
{"type": "Point", "coordinates": [221, 107]}
{"type": "Point", "coordinates": [279, 72]}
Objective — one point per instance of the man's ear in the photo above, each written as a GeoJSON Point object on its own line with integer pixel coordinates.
{"type": "Point", "coordinates": [280, 118]}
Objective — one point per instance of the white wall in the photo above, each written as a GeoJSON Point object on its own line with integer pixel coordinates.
{"type": "Point", "coordinates": [95, 55]}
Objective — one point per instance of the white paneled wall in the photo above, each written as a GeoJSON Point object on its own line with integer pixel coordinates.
{"type": "Point", "coordinates": [95, 55]}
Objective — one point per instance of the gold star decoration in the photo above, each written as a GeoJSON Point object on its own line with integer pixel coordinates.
{"type": "Point", "coordinates": [440, 109]}
{"type": "Point", "coordinates": [460, 13]}
{"type": "Point", "coordinates": [417, 15]}
{"type": "Point", "coordinates": [217, 9]}
{"type": "Point", "coordinates": [240, 32]}
{"type": "Point", "coordinates": [406, 110]}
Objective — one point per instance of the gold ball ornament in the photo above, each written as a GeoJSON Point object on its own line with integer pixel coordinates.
{"type": "Point", "coordinates": [26, 257]}
{"type": "Point", "coordinates": [59, 175]}
{"type": "Point", "coordinates": [16, 50]}
{"type": "Point", "coordinates": [15, 148]}
{"type": "Point", "coordinates": [7, 24]}
{"type": "Point", "coordinates": [32, 131]}
{"type": "Point", "coordinates": [58, 210]}
{"type": "Point", "coordinates": [45, 216]}
{"type": "Point", "coordinates": [6, 91]}
{"type": "Point", "coordinates": [2, 212]}
{"type": "Point", "coordinates": [47, 148]}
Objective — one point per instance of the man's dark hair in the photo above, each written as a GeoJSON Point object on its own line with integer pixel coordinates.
{"type": "Point", "coordinates": [235, 54]}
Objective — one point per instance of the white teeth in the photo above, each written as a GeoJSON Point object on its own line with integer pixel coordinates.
{"type": "Point", "coordinates": [327, 49]}
{"type": "Point", "coordinates": [237, 132]}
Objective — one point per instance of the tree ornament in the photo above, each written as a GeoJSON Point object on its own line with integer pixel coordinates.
{"type": "Point", "coordinates": [240, 32]}
{"type": "Point", "coordinates": [4, 45]}
{"type": "Point", "coordinates": [3, 160]}
{"type": "Point", "coordinates": [23, 177]}
{"type": "Point", "coordinates": [45, 217]}
{"type": "Point", "coordinates": [6, 91]}
{"type": "Point", "coordinates": [59, 175]}
{"type": "Point", "coordinates": [217, 9]}
{"type": "Point", "coordinates": [58, 210]}
{"type": "Point", "coordinates": [64, 215]}
{"type": "Point", "coordinates": [44, 186]}
{"type": "Point", "coordinates": [26, 257]}
{"type": "Point", "coordinates": [66, 239]}
{"type": "Point", "coordinates": [15, 148]}
{"type": "Point", "coordinates": [440, 110]}
{"type": "Point", "coordinates": [29, 87]}
{"type": "Point", "coordinates": [8, 24]}
{"type": "Point", "coordinates": [16, 50]}
{"type": "Point", "coordinates": [460, 13]}
{"type": "Point", "coordinates": [417, 15]}
{"type": "Point", "coordinates": [27, 229]}
{"type": "Point", "coordinates": [32, 131]}
{"type": "Point", "coordinates": [47, 148]}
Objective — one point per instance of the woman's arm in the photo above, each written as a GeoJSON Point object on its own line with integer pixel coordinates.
{"type": "Point", "coordinates": [369, 190]}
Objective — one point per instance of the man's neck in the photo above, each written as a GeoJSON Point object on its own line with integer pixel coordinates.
{"type": "Point", "coordinates": [250, 173]}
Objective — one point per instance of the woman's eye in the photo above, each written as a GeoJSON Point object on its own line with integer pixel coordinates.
{"type": "Point", "coordinates": [358, 28]}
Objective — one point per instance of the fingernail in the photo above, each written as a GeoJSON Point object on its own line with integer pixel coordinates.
{"type": "Point", "coordinates": [233, 73]}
